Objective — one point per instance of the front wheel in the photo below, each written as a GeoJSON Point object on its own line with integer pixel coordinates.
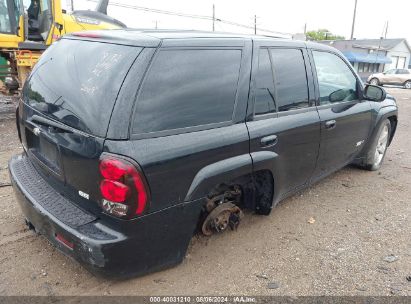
{"type": "Point", "coordinates": [407, 85]}
{"type": "Point", "coordinates": [378, 148]}
{"type": "Point", "coordinates": [374, 81]}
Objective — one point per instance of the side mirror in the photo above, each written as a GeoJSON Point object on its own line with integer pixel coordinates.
{"type": "Point", "coordinates": [374, 93]}
{"type": "Point", "coordinates": [338, 95]}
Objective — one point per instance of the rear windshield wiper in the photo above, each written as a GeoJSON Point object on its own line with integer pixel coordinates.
{"type": "Point", "coordinates": [57, 125]}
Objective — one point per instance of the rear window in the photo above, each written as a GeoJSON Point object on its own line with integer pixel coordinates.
{"type": "Point", "coordinates": [186, 88]}
{"type": "Point", "coordinates": [77, 82]}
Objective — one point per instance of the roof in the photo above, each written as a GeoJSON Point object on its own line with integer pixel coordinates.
{"type": "Point", "coordinates": [382, 44]}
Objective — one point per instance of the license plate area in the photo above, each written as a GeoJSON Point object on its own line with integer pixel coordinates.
{"type": "Point", "coordinates": [44, 151]}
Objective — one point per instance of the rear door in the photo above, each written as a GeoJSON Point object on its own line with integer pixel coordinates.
{"type": "Point", "coordinates": [282, 117]}
{"type": "Point", "coordinates": [402, 76]}
{"type": "Point", "coordinates": [345, 119]}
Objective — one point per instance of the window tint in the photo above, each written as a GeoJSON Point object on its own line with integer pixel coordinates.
{"type": "Point", "coordinates": [290, 79]}
{"type": "Point", "coordinates": [401, 71]}
{"type": "Point", "coordinates": [77, 82]}
{"type": "Point", "coordinates": [390, 72]}
{"type": "Point", "coordinates": [186, 88]}
{"type": "Point", "coordinates": [264, 97]}
{"type": "Point", "coordinates": [336, 81]}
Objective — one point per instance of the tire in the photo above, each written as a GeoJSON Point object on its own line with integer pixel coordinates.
{"type": "Point", "coordinates": [376, 152]}
{"type": "Point", "coordinates": [375, 81]}
{"type": "Point", "coordinates": [407, 84]}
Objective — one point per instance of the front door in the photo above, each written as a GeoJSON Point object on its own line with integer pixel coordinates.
{"type": "Point", "coordinates": [345, 119]}
{"type": "Point", "coordinates": [388, 76]}
{"type": "Point", "coordinates": [283, 119]}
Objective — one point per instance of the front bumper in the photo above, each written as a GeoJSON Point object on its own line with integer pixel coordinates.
{"type": "Point", "coordinates": [117, 248]}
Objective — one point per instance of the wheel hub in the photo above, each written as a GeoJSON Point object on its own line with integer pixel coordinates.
{"type": "Point", "coordinates": [221, 217]}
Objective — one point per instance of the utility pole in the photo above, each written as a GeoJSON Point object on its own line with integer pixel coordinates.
{"type": "Point", "coordinates": [386, 31]}
{"type": "Point", "coordinates": [305, 28]}
{"type": "Point", "coordinates": [353, 20]}
{"type": "Point", "coordinates": [213, 17]}
{"type": "Point", "coordinates": [255, 24]}
{"type": "Point", "coordinates": [156, 25]}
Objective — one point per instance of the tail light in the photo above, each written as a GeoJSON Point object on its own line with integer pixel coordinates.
{"type": "Point", "coordinates": [123, 188]}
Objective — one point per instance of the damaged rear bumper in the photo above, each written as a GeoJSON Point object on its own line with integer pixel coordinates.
{"type": "Point", "coordinates": [115, 248]}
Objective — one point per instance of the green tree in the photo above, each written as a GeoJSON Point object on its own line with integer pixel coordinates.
{"type": "Point", "coordinates": [323, 34]}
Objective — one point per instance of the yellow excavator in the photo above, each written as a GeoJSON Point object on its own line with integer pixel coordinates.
{"type": "Point", "coordinates": [28, 27]}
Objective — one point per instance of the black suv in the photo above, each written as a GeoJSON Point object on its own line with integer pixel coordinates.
{"type": "Point", "coordinates": [135, 140]}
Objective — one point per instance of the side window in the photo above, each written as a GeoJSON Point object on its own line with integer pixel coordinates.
{"type": "Point", "coordinates": [336, 81]}
{"type": "Point", "coordinates": [402, 72]}
{"type": "Point", "coordinates": [5, 26]}
{"type": "Point", "coordinates": [44, 6]}
{"type": "Point", "coordinates": [186, 88]}
{"type": "Point", "coordinates": [264, 97]}
{"type": "Point", "coordinates": [290, 79]}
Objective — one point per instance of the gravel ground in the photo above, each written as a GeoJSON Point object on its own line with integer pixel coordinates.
{"type": "Point", "coordinates": [7, 106]}
{"type": "Point", "coordinates": [347, 235]}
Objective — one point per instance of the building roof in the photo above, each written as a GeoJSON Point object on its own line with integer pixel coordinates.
{"type": "Point", "coordinates": [374, 44]}
{"type": "Point", "coordinates": [367, 58]}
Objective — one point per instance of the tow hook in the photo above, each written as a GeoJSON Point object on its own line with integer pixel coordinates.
{"type": "Point", "coordinates": [223, 216]}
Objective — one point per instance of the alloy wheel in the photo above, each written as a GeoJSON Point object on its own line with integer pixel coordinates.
{"type": "Point", "coordinates": [381, 146]}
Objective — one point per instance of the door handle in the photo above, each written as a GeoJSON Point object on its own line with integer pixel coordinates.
{"type": "Point", "coordinates": [269, 141]}
{"type": "Point", "coordinates": [330, 124]}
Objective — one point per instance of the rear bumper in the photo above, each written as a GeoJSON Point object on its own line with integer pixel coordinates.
{"type": "Point", "coordinates": [125, 248]}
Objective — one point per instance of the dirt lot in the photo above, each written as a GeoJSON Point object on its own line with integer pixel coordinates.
{"type": "Point", "coordinates": [357, 242]}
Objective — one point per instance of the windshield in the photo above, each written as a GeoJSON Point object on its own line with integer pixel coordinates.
{"type": "Point", "coordinates": [5, 26]}
{"type": "Point", "coordinates": [77, 82]}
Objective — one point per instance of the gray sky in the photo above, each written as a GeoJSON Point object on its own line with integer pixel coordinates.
{"type": "Point", "coordinates": [284, 16]}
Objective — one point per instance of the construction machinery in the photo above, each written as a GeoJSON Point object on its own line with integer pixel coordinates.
{"type": "Point", "coordinates": [28, 27]}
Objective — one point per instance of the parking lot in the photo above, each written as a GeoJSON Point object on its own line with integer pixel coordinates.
{"type": "Point", "coordinates": [347, 235]}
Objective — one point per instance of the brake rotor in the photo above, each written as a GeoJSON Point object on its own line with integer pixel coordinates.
{"type": "Point", "coordinates": [220, 218]}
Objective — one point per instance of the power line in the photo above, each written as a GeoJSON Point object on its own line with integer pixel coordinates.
{"type": "Point", "coordinates": [194, 16]}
